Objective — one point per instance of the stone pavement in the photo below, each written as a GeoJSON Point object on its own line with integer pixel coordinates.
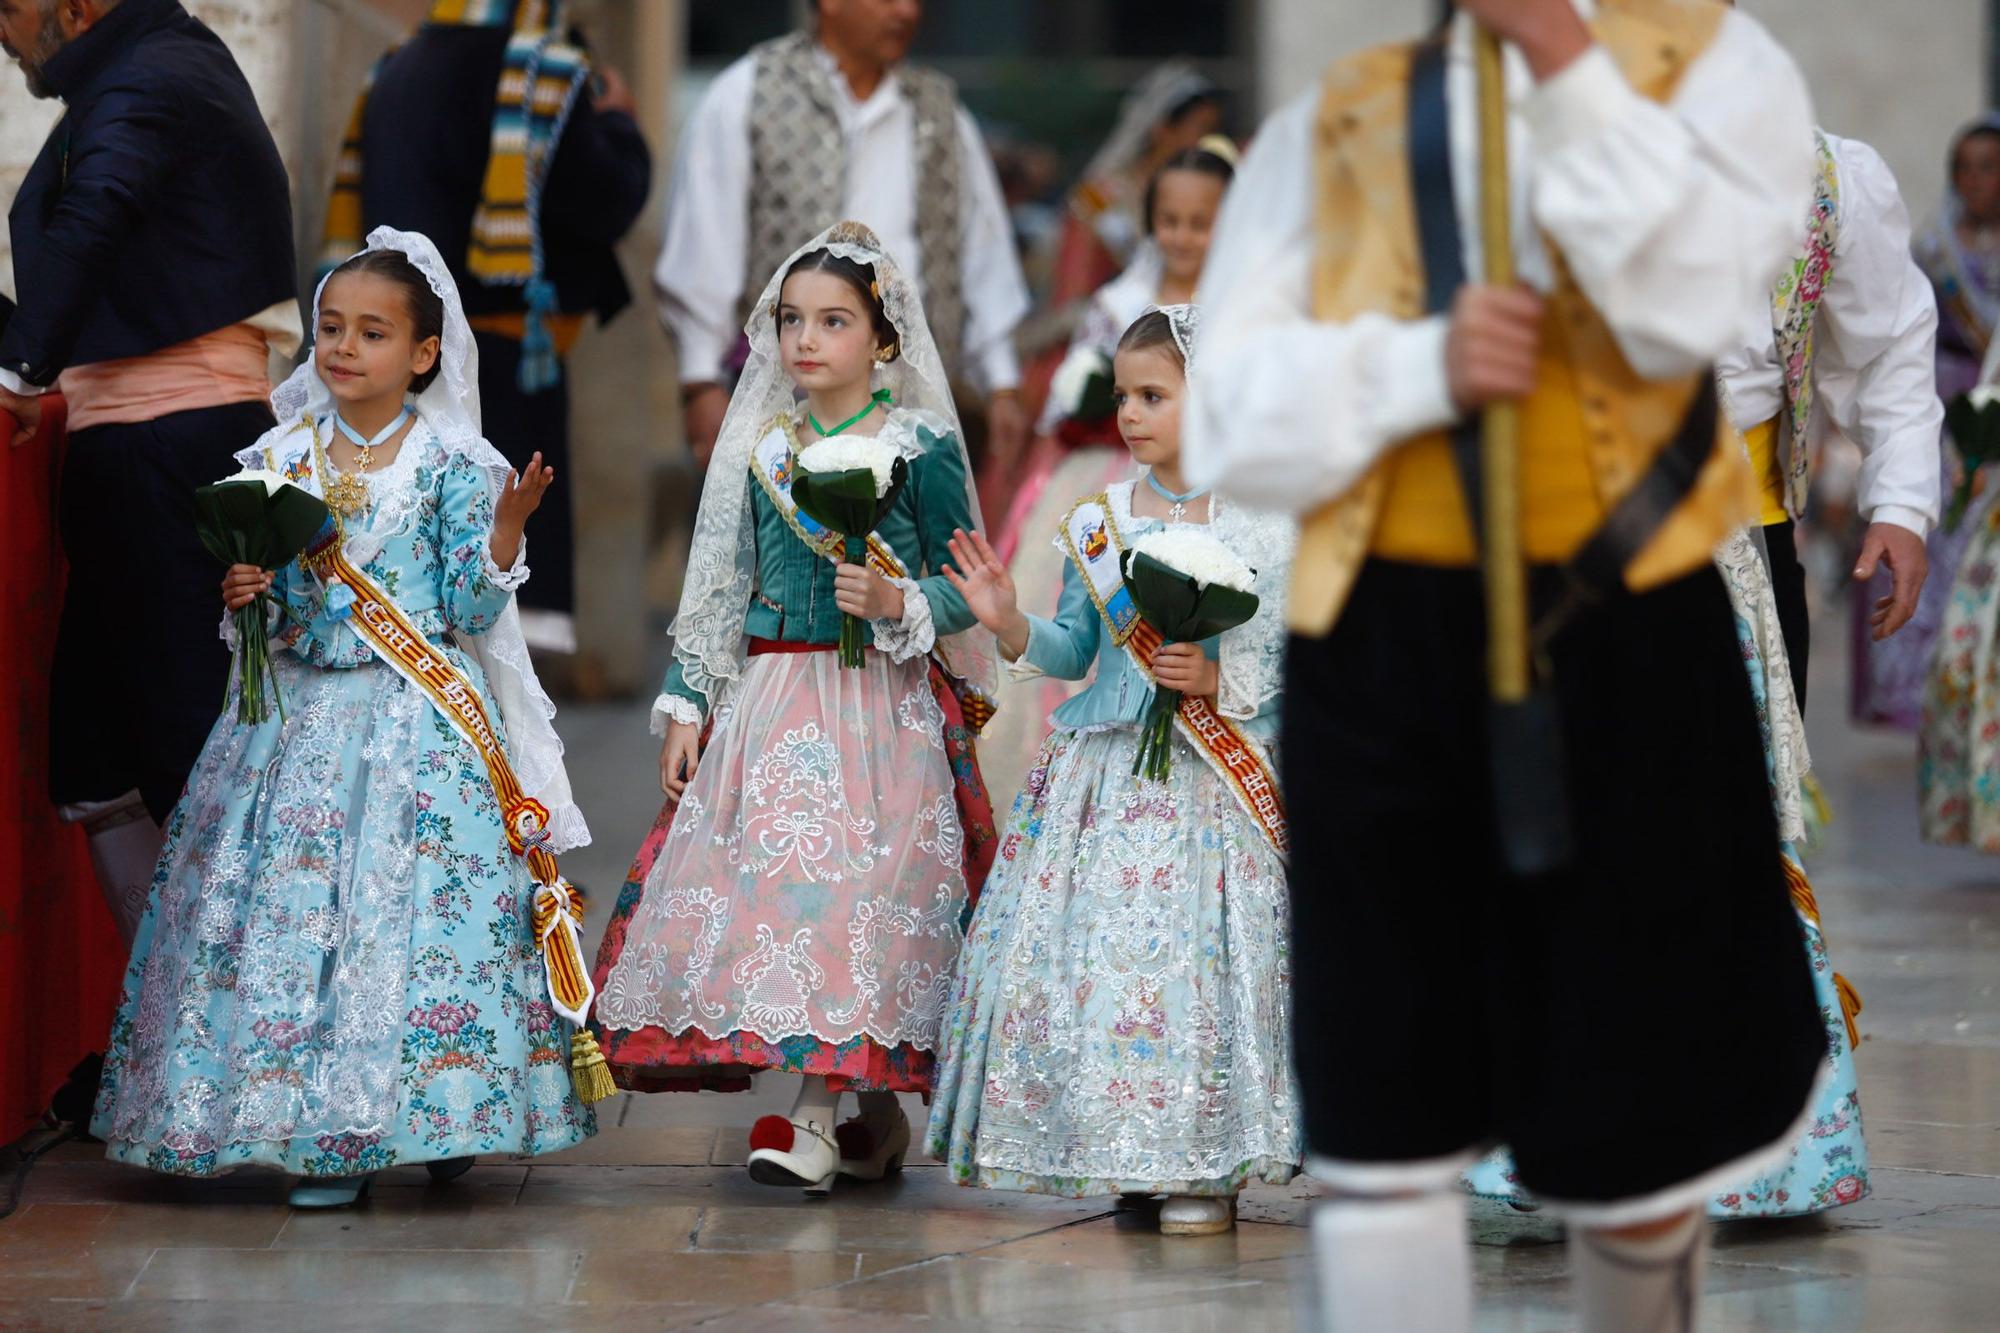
{"type": "Point", "coordinates": [654, 1225]}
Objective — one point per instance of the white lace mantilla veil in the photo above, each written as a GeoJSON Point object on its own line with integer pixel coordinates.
{"type": "Point", "coordinates": [450, 407]}
{"type": "Point", "coordinates": [1252, 659]}
{"type": "Point", "coordinates": [708, 630]}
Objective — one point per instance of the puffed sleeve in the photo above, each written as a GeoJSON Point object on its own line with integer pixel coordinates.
{"type": "Point", "coordinates": [931, 606]}
{"type": "Point", "coordinates": [475, 590]}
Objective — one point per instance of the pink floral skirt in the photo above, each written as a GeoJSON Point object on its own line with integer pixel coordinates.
{"type": "Point", "coordinates": [802, 908]}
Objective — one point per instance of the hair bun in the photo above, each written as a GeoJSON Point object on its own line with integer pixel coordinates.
{"type": "Point", "coordinates": [1222, 146]}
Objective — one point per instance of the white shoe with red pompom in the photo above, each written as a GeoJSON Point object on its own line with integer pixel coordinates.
{"type": "Point", "coordinates": [791, 1152]}
{"type": "Point", "coordinates": [870, 1151]}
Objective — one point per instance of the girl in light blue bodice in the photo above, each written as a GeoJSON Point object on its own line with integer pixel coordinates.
{"type": "Point", "coordinates": [1122, 1010]}
{"type": "Point", "coordinates": [337, 971]}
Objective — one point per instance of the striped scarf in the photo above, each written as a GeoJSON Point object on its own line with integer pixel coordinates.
{"type": "Point", "coordinates": [506, 247]}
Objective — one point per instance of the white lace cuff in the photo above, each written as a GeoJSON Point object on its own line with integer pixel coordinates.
{"type": "Point", "coordinates": [507, 580]}
{"type": "Point", "coordinates": [673, 708]}
{"type": "Point", "coordinates": [1021, 669]}
{"type": "Point", "coordinates": [226, 631]}
{"type": "Point", "coordinates": [912, 636]}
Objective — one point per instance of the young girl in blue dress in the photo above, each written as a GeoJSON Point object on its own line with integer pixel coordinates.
{"type": "Point", "coordinates": [1121, 1017]}
{"type": "Point", "coordinates": [337, 971]}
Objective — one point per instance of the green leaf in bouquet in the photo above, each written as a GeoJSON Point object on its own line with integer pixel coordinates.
{"type": "Point", "coordinates": [224, 514]}
{"type": "Point", "coordinates": [1178, 606]}
{"type": "Point", "coordinates": [1097, 400]}
{"type": "Point", "coordinates": [293, 517]}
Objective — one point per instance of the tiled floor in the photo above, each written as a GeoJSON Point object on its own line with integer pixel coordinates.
{"type": "Point", "coordinates": [653, 1224]}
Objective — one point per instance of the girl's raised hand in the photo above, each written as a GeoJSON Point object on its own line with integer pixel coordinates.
{"type": "Point", "coordinates": [984, 582]}
{"type": "Point", "coordinates": [521, 494]}
{"type": "Point", "coordinates": [242, 585]}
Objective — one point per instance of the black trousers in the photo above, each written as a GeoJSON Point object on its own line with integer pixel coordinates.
{"type": "Point", "coordinates": [1659, 983]}
{"type": "Point", "coordinates": [1788, 584]}
{"type": "Point", "coordinates": [518, 424]}
{"type": "Point", "coordinates": [139, 670]}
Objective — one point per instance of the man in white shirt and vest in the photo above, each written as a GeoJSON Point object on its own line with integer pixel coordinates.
{"type": "Point", "coordinates": [1471, 984]}
{"type": "Point", "coordinates": [817, 126]}
{"type": "Point", "coordinates": [1849, 346]}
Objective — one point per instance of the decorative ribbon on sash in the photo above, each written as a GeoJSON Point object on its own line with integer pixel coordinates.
{"type": "Point", "coordinates": [1795, 304]}
{"type": "Point", "coordinates": [1094, 544]}
{"type": "Point", "coordinates": [773, 463]}
{"type": "Point", "coordinates": [556, 905]}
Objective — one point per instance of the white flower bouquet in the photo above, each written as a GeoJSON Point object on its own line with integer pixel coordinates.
{"type": "Point", "coordinates": [1081, 386]}
{"type": "Point", "coordinates": [847, 484]}
{"type": "Point", "coordinates": [1974, 422]}
{"type": "Point", "coordinates": [1189, 587]}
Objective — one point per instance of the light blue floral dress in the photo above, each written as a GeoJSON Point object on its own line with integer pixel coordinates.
{"type": "Point", "coordinates": [336, 971]}
{"type": "Point", "coordinates": [1121, 1018]}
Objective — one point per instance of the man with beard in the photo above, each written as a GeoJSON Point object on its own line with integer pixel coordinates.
{"type": "Point", "coordinates": [154, 271]}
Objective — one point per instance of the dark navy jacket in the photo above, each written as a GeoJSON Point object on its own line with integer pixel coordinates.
{"type": "Point", "coordinates": [158, 209]}
{"type": "Point", "coordinates": [424, 141]}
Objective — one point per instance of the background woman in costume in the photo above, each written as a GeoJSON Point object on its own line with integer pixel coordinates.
{"type": "Point", "coordinates": [1121, 1018]}
{"type": "Point", "coordinates": [1960, 251]}
{"type": "Point", "coordinates": [1077, 450]}
{"type": "Point", "coordinates": [800, 904]}
{"type": "Point", "coordinates": [337, 971]}
{"type": "Point", "coordinates": [1827, 1166]}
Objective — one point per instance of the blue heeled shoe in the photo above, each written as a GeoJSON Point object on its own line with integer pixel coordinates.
{"type": "Point", "coordinates": [338, 1192]}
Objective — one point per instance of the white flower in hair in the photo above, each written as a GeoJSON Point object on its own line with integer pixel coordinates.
{"type": "Point", "coordinates": [1199, 556]}
{"type": "Point", "coordinates": [850, 453]}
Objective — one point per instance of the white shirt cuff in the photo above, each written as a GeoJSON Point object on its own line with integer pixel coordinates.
{"type": "Point", "coordinates": [672, 708]}
{"type": "Point", "coordinates": [700, 358]}
{"type": "Point", "coordinates": [912, 636]}
{"type": "Point", "coordinates": [14, 384]}
{"type": "Point", "coordinates": [1413, 394]}
{"type": "Point", "coordinates": [511, 578]}
{"type": "Point", "coordinates": [1587, 97]}
{"type": "Point", "coordinates": [1903, 517]}
{"type": "Point", "coordinates": [1000, 366]}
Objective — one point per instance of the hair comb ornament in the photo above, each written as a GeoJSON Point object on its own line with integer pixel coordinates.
{"type": "Point", "coordinates": [1222, 146]}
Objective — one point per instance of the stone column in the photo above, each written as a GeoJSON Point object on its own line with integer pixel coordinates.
{"type": "Point", "coordinates": [626, 465]}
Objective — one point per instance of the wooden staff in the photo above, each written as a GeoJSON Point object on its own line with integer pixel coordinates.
{"type": "Point", "coordinates": [1500, 455]}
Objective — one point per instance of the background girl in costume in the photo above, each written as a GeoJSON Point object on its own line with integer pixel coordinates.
{"type": "Point", "coordinates": [1122, 1012]}
{"type": "Point", "coordinates": [800, 904]}
{"type": "Point", "coordinates": [1960, 252]}
{"type": "Point", "coordinates": [1074, 455]}
{"type": "Point", "coordinates": [337, 972]}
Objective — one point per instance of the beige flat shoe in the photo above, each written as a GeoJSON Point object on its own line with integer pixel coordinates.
{"type": "Point", "coordinates": [1190, 1215]}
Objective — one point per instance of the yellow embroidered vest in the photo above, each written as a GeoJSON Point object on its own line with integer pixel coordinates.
{"type": "Point", "coordinates": [1592, 425]}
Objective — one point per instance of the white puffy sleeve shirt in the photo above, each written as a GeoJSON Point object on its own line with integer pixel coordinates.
{"type": "Point", "coordinates": [1875, 357]}
{"type": "Point", "coordinates": [701, 275]}
{"type": "Point", "coordinates": [1666, 215]}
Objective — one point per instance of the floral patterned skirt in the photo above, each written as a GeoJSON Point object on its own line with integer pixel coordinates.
{"type": "Point", "coordinates": [1958, 743]}
{"type": "Point", "coordinates": [1828, 1165]}
{"type": "Point", "coordinates": [1122, 1016]}
{"type": "Point", "coordinates": [336, 971]}
{"type": "Point", "coordinates": [802, 909]}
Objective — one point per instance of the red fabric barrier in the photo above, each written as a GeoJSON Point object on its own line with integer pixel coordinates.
{"type": "Point", "coordinates": [60, 955]}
